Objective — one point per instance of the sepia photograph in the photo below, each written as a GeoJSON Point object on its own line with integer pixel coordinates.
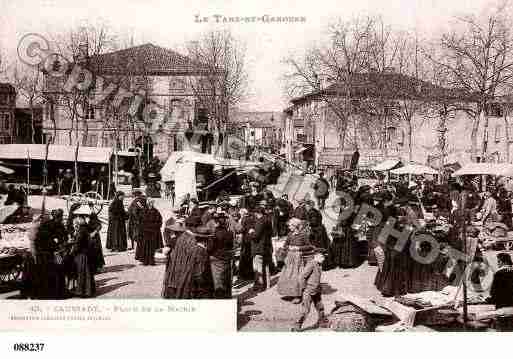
{"type": "Point", "coordinates": [332, 167]}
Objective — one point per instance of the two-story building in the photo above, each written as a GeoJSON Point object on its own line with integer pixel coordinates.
{"type": "Point", "coordinates": [259, 129]}
{"type": "Point", "coordinates": [16, 123]}
{"type": "Point", "coordinates": [377, 127]}
{"type": "Point", "coordinates": [162, 77]}
{"type": "Point", "coordinates": [7, 112]}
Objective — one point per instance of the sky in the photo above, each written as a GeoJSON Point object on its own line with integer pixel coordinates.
{"type": "Point", "coordinates": [172, 24]}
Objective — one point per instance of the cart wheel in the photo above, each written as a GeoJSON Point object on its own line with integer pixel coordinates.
{"type": "Point", "coordinates": [95, 201]}
{"type": "Point", "coordinates": [508, 246]}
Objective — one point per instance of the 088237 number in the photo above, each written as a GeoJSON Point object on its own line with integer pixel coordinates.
{"type": "Point", "coordinates": [28, 347]}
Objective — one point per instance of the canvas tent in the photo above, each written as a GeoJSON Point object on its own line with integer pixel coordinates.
{"type": "Point", "coordinates": [180, 167]}
{"type": "Point", "coordinates": [493, 169]}
{"type": "Point", "coordinates": [21, 151]}
{"type": "Point", "coordinates": [415, 170]}
{"type": "Point", "coordinates": [386, 165]}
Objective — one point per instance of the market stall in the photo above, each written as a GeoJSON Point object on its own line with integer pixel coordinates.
{"type": "Point", "coordinates": [14, 247]}
{"type": "Point", "coordinates": [188, 170]}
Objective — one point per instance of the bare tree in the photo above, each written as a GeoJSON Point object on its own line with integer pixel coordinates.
{"type": "Point", "coordinates": [344, 54]}
{"type": "Point", "coordinates": [29, 84]}
{"type": "Point", "coordinates": [477, 56]}
{"type": "Point", "coordinates": [221, 75]}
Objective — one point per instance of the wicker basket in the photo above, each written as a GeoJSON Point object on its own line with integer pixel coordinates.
{"type": "Point", "coordinates": [347, 317]}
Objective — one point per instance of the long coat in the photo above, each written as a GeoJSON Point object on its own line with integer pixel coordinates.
{"type": "Point", "coordinates": [135, 214]}
{"type": "Point", "coordinates": [187, 273]}
{"type": "Point", "coordinates": [116, 231]}
{"type": "Point", "coordinates": [151, 239]}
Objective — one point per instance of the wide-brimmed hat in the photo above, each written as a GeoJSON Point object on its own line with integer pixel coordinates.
{"type": "Point", "coordinates": [83, 211]}
{"type": "Point", "coordinates": [177, 227]}
{"type": "Point", "coordinates": [202, 232]}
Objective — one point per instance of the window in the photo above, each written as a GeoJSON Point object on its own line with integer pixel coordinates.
{"type": "Point", "coordinates": [494, 110]}
{"type": "Point", "coordinates": [88, 111]}
{"type": "Point", "coordinates": [4, 121]}
{"type": "Point", "coordinates": [498, 130]}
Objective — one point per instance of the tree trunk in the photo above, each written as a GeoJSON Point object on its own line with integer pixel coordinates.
{"type": "Point", "coordinates": [484, 149]}
{"type": "Point", "coordinates": [473, 138]}
{"type": "Point", "coordinates": [32, 127]}
{"type": "Point", "coordinates": [506, 132]}
{"type": "Point", "coordinates": [410, 140]}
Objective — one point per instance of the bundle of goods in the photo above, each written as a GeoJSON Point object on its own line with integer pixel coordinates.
{"type": "Point", "coordinates": [15, 236]}
{"type": "Point", "coordinates": [355, 314]}
{"type": "Point", "coordinates": [494, 234]}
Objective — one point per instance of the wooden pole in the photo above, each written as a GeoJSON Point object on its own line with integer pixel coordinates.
{"type": "Point", "coordinates": [28, 175]}
{"type": "Point", "coordinates": [465, 251]}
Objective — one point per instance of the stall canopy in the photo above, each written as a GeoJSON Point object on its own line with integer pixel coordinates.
{"type": "Point", "coordinates": [415, 170]}
{"type": "Point", "coordinates": [55, 153]}
{"type": "Point", "coordinates": [178, 158]}
{"type": "Point", "coordinates": [386, 165]}
{"type": "Point", "coordinates": [493, 169]}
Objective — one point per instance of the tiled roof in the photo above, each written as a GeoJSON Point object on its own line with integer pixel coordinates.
{"type": "Point", "coordinates": [389, 85]}
{"type": "Point", "coordinates": [146, 58]}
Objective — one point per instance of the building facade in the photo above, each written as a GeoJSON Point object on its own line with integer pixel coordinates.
{"type": "Point", "coordinates": [168, 107]}
{"type": "Point", "coordinates": [259, 129]}
{"type": "Point", "coordinates": [427, 137]}
{"type": "Point", "coordinates": [7, 112]}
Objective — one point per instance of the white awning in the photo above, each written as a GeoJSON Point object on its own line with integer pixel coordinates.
{"type": "Point", "coordinates": [386, 165]}
{"type": "Point", "coordinates": [55, 153]}
{"type": "Point", "coordinates": [415, 170]}
{"type": "Point", "coordinates": [302, 149]}
{"type": "Point", "coordinates": [493, 169]}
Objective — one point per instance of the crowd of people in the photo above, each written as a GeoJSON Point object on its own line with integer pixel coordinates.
{"type": "Point", "coordinates": [65, 257]}
{"type": "Point", "coordinates": [206, 244]}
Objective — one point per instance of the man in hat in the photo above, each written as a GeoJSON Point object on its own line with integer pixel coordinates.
{"type": "Point", "coordinates": [221, 256]}
{"type": "Point", "coordinates": [172, 230]}
{"type": "Point", "coordinates": [300, 211]}
{"type": "Point", "coordinates": [67, 181]}
{"type": "Point", "coordinates": [208, 215]}
{"type": "Point", "coordinates": [321, 190]}
{"type": "Point", "coordinates": [135, 216]}
{"type": "Point", "coordinates": [261, 248]}
{"type": "Point", "coordinates": [187, 274]}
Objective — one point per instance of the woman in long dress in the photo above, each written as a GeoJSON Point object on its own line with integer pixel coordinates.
{"type": "Point", "coordinates": [246, 260]}
{"type": "Point", "coordinates": [83, 261]}
{"type": "Point", "coordinates": [96, 244]}
{"type": "Point", "coordinates": [116, 231]}
{"type": "Point", "coordinates": [298, 248]}
{"type": "Point", "coordinates": [151, 238]}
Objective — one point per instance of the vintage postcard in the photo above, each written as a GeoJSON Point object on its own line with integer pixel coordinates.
{"type": "Point", "coordinates": [270, 166]}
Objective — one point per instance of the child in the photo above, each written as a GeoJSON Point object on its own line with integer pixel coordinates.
{"type": "Point", "coordinates": [311, 287]}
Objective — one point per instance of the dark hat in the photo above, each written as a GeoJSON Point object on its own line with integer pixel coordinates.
{"type": "Point", "coordinates": [120, 193]}
{"type": "Point", "coordinates": [202, 232]}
